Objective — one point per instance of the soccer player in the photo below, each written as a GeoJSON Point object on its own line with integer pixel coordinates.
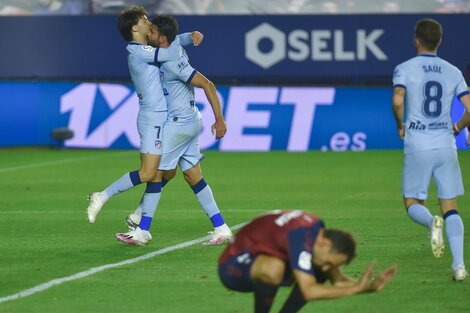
{"type": "Point", "coordinates": [183, 128]}
{"type": "Point", "coordinates": [293, 247]}
{"type": "Point", "coordinates": [427, 85]}
{"type": "Point", "coordinates": [142, 59]}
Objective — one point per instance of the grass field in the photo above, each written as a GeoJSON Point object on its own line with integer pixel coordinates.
{"type": "Point", "coordinates": [45, 235]}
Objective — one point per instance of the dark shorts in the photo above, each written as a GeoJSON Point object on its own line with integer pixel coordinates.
{"type": "Point", "coordinates": [235, 273]}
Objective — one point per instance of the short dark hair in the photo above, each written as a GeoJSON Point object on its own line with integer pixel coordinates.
{"type": "Point", "coordinates": [167, 26]}
{"type": "Point", "coordinates": [129, 17]}
{"type": "Point", "coordinates": [429, 33]}
{"type": "Point", "coordinates": [342, 242]}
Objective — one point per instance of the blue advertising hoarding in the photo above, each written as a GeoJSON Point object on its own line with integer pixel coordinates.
{"type": "Point", "coordinates": [254, 49]}
{"type": "Point", "coordinates": [261, 118]}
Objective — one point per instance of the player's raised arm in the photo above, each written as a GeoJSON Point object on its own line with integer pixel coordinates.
{"type": "Point", "coordinates": [219, 127]}
{"type": "Point", "coordinates": [172, 53]}
{"type": "Point", "coordinates": [193, 38]}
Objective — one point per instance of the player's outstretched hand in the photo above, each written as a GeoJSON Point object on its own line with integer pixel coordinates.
{"type": "Point", "coordinates": [197, 38]}
{"type": "Point", "coordinates": [363, 283]}
{"type": "Point", "coordinates": [219, 128]}
{"type": "Point", "coordinates": [383, 279]}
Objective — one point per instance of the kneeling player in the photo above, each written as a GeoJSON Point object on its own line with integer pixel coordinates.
{"type": "Point", "coordinates": [293, 248]}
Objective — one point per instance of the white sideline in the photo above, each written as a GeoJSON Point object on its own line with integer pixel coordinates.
{"type": "Point", "coordinates": [94, 270]}
{"type": "Point", "coordinates": [26, 166]}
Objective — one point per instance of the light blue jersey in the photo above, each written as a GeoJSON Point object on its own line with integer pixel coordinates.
{"type": "Point", "coordinates": [142, 60]}
{"type": "Point", "coordinates": [431, 84]}
{"type": "Point", "coordinates": [176, 79]}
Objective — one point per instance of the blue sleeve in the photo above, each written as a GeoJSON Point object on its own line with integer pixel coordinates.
{"type": "Point", "coordinates": [185, 39]}
{"type": "Point", "coordinates": [300, 253]}
{"type": "Point", "coordinates": [399, 78]}
{"type": "Point", "coordinates": [172, 53]}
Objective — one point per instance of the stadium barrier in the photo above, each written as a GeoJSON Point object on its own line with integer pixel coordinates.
{"type": "Point", "coordinates": [259, 118]}
{"type": "Point", "coordinates": [252, 49]}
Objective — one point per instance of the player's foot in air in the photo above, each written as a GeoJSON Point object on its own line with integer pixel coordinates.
{"type": "Point", "coordinates": [136, 237]}
{"type": "Point", "coordinates": [468, 140]}
{"type": "Point", "coordinates": [437, 241]}
{"type": "Point", "coordinates": [132, 221]}
{"type": "Point", "coordinates": [219, 236]}
{"type": "Point", "coordinates": [460, 273]}
{"type": "Point", "coordinates": [96, 202]}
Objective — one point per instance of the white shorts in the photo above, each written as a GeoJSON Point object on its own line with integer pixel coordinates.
{"type": "Point", "coordinates": [150, 127]}
{"type": "Point", "coordinates": [181, 145]}
{"type": "Point", "coordinates": [442, 164]}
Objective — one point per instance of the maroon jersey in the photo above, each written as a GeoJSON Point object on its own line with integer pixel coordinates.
{"type": "Point", "coordinates": [287, 235]}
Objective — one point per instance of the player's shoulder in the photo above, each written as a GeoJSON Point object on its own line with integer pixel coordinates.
{"type": "Point", "coordinates": [408, 63]}
{"type": "Point", "coordinates": [450, 66]}
{"type": "Point", "coordinates": [138, 48]}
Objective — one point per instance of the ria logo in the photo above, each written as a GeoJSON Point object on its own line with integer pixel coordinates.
{"type": "Point", "coordinates": [298, 45]}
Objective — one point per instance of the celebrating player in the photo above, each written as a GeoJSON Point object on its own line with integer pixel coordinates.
{"type": "Point", "coordinates": [183, 127]}
{"type": "Point", "coordinates": [293, 247]}
{"type": "Point", "coordinates": [134, 28]}
{"type": "Point", "coordinates": [428, 85]}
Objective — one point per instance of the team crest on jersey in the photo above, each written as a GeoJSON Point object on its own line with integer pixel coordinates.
{"type": "Point", "coordinates": [148, 48]}
{"type": "Point", "coordinates": [158, 144]}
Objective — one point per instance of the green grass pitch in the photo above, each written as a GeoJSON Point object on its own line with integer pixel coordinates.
{"type": "Point", "coordinates": [45, 235]}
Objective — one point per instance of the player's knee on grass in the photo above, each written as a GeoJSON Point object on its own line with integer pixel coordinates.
{"type": "Point", "coordinates": [268, 270]}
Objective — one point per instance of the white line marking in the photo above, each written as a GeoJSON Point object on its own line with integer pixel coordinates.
{"type": "Point", "coordinates": [22, 167]}
{"type": "Point", "coordinates": [94, 270]}
{"type": "Point", "coordinates": [74, 211]}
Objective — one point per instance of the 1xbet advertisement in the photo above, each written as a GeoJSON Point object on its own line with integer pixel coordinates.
{"type": "Point", "coordinates": [258, 118]}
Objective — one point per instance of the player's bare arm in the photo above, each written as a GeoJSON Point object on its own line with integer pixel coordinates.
{"type": "Point", "coordinates": [465, 120]}
{"type": "Point", "coordinates": [311, 290]}
{"type": "Point", "coordinates": [338, 278]}
{"type": "Point", "coordinates": [219, 127]}
{"type": "Point", "coordinates": [398, 103]}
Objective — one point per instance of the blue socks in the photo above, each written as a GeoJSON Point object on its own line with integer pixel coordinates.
{"type": "Point", "coordinates": [206, 199]}
{"type": "Point", "coordinates": [149, 204]}
{"type": "Point", "coordinates": [126, 182]}
{"type": "Point", "coordinates": [454, 232]}
{"type": "Point", "coordinates": [420, 214]}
